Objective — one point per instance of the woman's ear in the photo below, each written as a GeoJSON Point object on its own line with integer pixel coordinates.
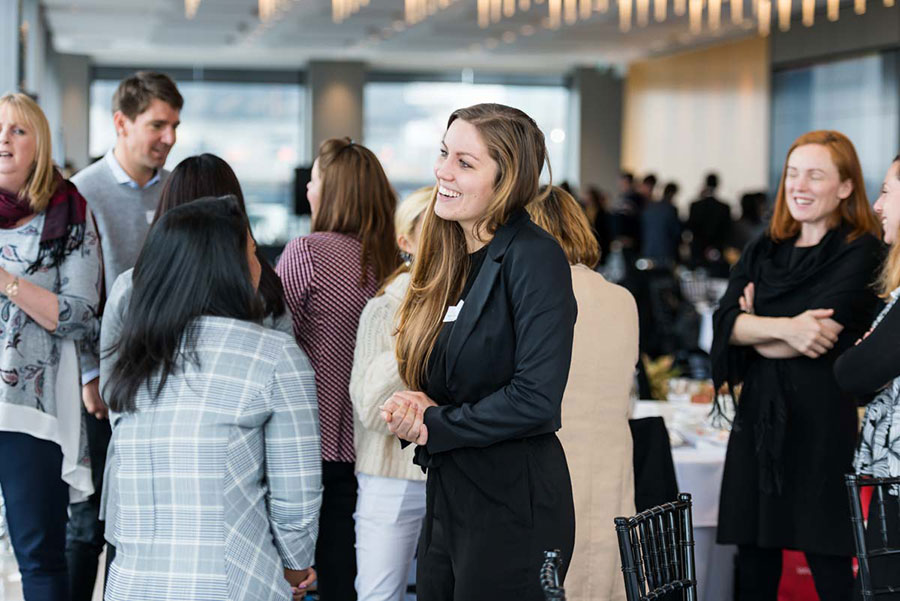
{"type": "Point", "coordinates": [845, 189]}
{"type": "Point", "coordinates": [404, 244]}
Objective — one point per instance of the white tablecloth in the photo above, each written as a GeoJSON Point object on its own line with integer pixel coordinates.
{"type": "Point", "coordinates": [699, 472]}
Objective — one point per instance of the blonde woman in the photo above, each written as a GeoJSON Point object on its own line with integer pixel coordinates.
{"type": "Point", "coordinates": [49, 291]}
{"type": "Point", "coordinates": [391, 500]}
{"type": "Point", "coordinates": [872, 367]}
{"type": "Point", "coordinates": [595, 404]}
{"type": "Point", "coordinates": [484, 345]}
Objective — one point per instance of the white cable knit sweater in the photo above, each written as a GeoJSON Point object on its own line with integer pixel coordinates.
{"type": "Point", "coordinates": [373, 380]}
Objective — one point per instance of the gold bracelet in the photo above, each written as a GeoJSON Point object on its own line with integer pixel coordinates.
{"type": "Point", "coordinates": [12, 288]}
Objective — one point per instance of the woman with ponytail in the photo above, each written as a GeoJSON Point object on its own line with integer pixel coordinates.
{"type": "Point", "coordinates": [484, 344]}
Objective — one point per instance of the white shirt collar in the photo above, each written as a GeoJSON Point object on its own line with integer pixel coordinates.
{"type": "Point", "coordinates": [122, 176]}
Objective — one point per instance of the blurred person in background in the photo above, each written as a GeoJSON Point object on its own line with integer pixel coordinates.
{"type": "Point", "coordinates": [328, 278]}
{"type": "Point", "coordinates": [391, 501]}
{"type": "Point", "coordinates": [709, 222]}
{"type": "Point", "coordinates": [596, 403]}
{"type": "Point", "coordinates": [661, 228]}
{"type": "Point", "coordinates": [596, 206]}
{"type": "Point", "coordinates": [798, 298]}
{"type": "Point", "coordinates": [49, 294]}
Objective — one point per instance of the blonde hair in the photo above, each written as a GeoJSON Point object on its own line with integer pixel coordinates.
{"type": "Point", "coordinates": [889, 278]}
{"type": "Point", "coordinates": [41, 182]}
{"type": "Point", "coordinates": [854, 210]}
{"type": "Point", "coordinates": [564, 219]}
{"type": "Point", "coordinates": [516, 145]}
{"type": "Point", "coordinates": [407, 215]}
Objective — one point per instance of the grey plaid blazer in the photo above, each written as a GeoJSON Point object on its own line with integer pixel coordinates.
{"type": "Point", "coordinates": [218, 480]}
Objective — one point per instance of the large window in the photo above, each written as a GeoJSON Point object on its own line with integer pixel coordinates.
{"type": "Point", "coordinates": [256, 127]}
{"type": "Point", "coordinates": [404, 122]}
{"type": "Point", "coordinates": [860, 97]}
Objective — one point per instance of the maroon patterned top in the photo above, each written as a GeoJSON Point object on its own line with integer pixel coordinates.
{"type": "Point", "coordinates": [321, 275]}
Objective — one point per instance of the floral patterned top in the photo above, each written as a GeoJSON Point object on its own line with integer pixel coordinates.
{"type": "Point", "coordinates": [30, 356]}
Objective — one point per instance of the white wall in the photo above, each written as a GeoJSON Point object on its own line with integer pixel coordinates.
{"type": "Point", "coordinates": [690, 113]}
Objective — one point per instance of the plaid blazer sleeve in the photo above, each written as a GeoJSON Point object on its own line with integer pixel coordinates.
{"type": "Point", "coordinates": [293, 458]}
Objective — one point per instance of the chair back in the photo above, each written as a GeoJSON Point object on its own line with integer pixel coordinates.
{"type": "Point", "coordinates": [550, 576]}
{"type": "Point", "coordinates": [657, 551]}
{"type": "Point", "coordinates": [878, 521]}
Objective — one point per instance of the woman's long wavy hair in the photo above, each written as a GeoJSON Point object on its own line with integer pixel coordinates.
{"type": "Point", "coordinates": [890, 271]}
{"type": "Point", "coordinates": [193, 263]}
{"type": "Point", "coordinates": [357, 199]}
{"type": "Point", "coordinates": [516, 144]}
{"type": "Point", "coordinates": [854, 210]}
{"type": "Point", "coordinates": [560, 215]}
{"type": "Point", "coordinates": [204, 175]}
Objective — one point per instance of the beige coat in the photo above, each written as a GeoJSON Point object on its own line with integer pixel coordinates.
{"type": "Point", "coordinates": [595, 432]}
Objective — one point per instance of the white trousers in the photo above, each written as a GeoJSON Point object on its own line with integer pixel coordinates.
{"type": "Point", "coordinates": [389, 514]}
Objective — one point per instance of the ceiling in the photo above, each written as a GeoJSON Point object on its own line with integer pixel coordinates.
{"type": "Point", "coordinates": [228, 33]}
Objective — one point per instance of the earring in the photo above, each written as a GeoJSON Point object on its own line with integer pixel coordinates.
{"type": "Point", "coordinates": [406, 258]}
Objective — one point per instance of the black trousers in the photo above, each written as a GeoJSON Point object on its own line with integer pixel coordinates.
{"type": "Point", "coordinates": [84, 533]}
{"type": "Point", "coordinates": [885, 571]}
{"type": "Point", "coordinates": [759, 574]}
{"type": "Point", "coordinates": [486, 543]}
{"type": "Point", "coordinates": [336, 545]}
{"type": "Point", "coordinates": [36, 500]}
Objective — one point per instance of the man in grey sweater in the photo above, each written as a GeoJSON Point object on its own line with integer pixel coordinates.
{"type": "Point", "coordinates": [122, 190]}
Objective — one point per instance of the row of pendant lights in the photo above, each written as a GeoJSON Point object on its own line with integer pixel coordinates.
{"type": "Point", "coordinates": [570, 11]}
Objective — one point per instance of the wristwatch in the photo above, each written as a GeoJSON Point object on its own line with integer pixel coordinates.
{"type": "Point", "coordinates": [12, 288]}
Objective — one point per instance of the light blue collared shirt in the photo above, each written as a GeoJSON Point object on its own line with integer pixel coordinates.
{"type": "Point", "coordinates": [122, 177]}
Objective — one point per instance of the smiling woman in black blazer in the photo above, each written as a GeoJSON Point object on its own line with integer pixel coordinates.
{"type": "Point", "coordinates": [484, 344]}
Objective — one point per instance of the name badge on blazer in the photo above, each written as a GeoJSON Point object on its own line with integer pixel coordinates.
{"type": "Point", "coordinates": [453, 312]}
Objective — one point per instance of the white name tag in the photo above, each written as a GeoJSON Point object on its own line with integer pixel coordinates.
{"type": "Point", "coordinates": [150, 215]}
{"type": "Point", "coordinates": [453, 312]}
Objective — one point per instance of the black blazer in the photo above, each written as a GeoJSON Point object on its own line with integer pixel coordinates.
{"type": "Point", "coordinates": [509, 352]}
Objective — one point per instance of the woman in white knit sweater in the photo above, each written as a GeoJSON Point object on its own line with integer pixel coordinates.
{"type": "Point", "coordinates": [391, 502]}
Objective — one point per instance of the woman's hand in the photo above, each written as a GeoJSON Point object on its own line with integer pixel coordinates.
{"type": "Point", "coordinates": [404, 414]}
{"type": "Point", "coordinates": [746, 300]}
{"type": "Point", "coordinates": [812, 333]}
{"type": "Point", "coordinates": [299, 581]}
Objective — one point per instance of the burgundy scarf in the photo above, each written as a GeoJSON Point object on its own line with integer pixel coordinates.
{"type": "Point", "coordinates": [63, 222]}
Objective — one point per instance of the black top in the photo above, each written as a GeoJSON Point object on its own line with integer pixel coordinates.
{"type": "Point", "coordinates": [794, 434]}
{"type": "Point", "coordinates": [437, 363]}
{"type": "Point", "coordinates": [874, 362]}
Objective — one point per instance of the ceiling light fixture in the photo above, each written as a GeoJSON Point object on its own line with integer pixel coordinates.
{"type": "Point", "coordinates": [714, 13]}
{"type": "Point", "coordinates": [695, 14]}
{"type": "Point", "coordinates": [859, 7]}
{"type": "Point", "coordinates": [834, 7]}
{"type": "Point", "coordinates": [659, 10]}
{"type": "Point", "coordinates": [625, 15]}
{"type": "Point", "coordinates": [190, 8]}
{"type": "Point", "coordinates": [737, 11]}
{"type": "Point", "coordinates": [764, 16]}
{"type": "Point", "coordinates": [809, 12]}
{"type": "Point", "coordinates": [784, 15]}
{"type": "Point", "coordinates": [340, 9]}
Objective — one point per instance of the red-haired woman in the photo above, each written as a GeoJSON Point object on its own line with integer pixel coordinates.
{"type": "Point", "coordinates": [798, 297]}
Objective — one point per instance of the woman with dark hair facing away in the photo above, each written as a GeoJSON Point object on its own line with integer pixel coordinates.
{"type": "Point", "coordinates": [328, 277]}
{"type": "Point", "coordinates": [49, 292]}
{"type": "Point", "coordinates": [799, 296]}
{"type": "Point", "coordinates": [596, 404]}
{"type": "Point", "coordinates": [484, 345]}
{"type": "Point", "coordinates": [194, 177]}
{"type": "Point", "coordinates": [216, 436]}
{"type": "Point", "coordinates": [872, 367]}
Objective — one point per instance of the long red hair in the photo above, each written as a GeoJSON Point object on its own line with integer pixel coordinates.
{"type": "Point", "coordinates": [854, 210]}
